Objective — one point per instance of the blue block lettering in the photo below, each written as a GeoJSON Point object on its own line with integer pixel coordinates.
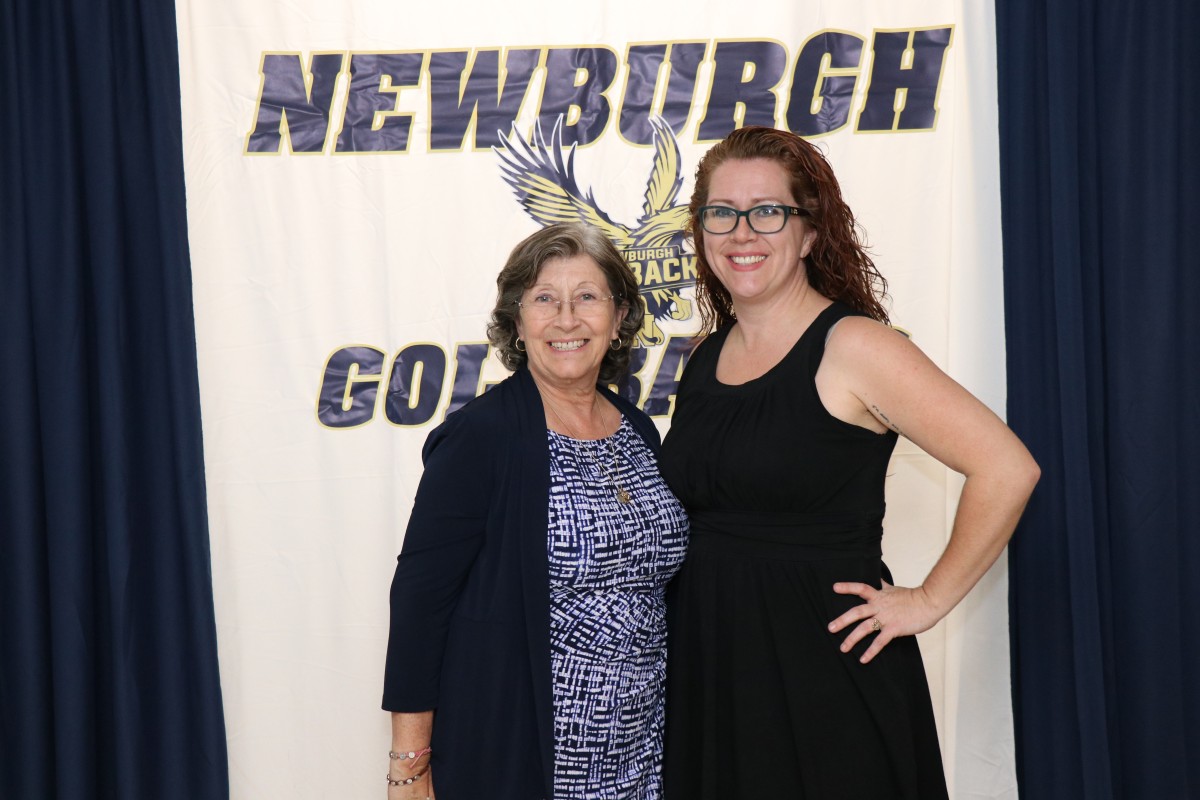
{"type": "Point", "coordinates": [294, 103]}
{"type": "Point", "coordinates": [744, 75]}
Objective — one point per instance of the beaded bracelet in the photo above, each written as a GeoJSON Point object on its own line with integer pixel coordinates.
{"type": "Point", "coordinates": [409, 781]}
{"type": "Point", "coordinates": [411, 754]}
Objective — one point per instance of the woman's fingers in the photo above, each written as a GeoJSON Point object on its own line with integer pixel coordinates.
{"type": "Point", "coordinates": [859, 612]}
{"type": "Point", "coordinates": [870, 618]}
{"type": "Point", "coordinates": [869, 626]}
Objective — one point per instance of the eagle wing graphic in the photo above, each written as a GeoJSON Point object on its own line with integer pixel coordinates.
{"type": "Point", "coordinates": [662, 220]}
{"type": "Point", "coordinates": [543, 180]}
{"type": "Point", "coordinates": [665, 179]}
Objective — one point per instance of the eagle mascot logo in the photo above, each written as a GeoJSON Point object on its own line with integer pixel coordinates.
{"type": "Point", "coordinates": [542, 176]}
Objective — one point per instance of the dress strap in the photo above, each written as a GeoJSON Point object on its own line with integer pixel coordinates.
{"type": "Point", "coordinates": [817, 335]}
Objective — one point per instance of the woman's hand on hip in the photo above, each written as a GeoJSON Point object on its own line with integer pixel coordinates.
{"type": "Point", "coordinates": [887, 612]}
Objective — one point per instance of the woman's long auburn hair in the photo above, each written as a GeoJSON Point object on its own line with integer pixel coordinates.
{"type": "Point", "coordinates": [838, 265]}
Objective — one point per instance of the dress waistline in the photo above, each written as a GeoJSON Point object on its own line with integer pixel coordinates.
{"type": "Point", "coordinates": [788, 537]}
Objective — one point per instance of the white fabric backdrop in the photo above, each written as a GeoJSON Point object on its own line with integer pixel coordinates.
{"type": "Point", "coordinates": [298, 256]}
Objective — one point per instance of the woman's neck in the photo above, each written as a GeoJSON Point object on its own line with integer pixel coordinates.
{"type": "Point", "coordinates": [579, 413]}
{"type": "Point", "coordinates": [782, 317]}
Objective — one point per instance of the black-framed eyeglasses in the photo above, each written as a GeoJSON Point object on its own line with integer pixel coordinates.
{"type": "Point", "coordinates": [762, 219]}
{"type": "Point", "coordinates": [585, 304]}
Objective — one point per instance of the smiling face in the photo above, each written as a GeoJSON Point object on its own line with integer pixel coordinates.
{"type": "Point", "coordinates": [565, 349]}
{"type": "Point", "coordinates": [756, 267]}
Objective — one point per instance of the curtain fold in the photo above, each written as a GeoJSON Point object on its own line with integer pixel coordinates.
{"type": "Point", "coordinates": [1100, 185]}
{"type": "Point", "coordinates": [108, 670]}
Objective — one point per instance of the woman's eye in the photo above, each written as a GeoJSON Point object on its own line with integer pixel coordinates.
{"type": "Point", "coordinates": [544, 300]}
{"type": "Point", "coordinates": [767, 212]}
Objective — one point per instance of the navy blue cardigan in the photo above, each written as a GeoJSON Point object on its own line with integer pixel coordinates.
{"type": "Point", "coordinates": [470, 600]}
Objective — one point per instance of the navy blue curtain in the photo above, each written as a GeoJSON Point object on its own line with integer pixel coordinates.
{"type": "Point", "coordinates": [108, 671]}
{"type": "Point", "coordinates": [1100, 124]}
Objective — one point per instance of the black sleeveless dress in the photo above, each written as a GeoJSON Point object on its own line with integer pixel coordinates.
{"type": "Point", "coordinates": [784, 500]}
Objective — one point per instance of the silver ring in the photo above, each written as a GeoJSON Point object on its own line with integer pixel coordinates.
{"type": "Point", "coordinates": [875, 626]}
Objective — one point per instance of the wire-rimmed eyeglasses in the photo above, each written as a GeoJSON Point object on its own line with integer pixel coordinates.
{"type": "Point", "coordinates": [585, 304]}
{"type": "Point", "coordinates": [762, 219]}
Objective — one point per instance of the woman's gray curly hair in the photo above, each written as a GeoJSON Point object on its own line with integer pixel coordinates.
{"type": "Point", "coordinates": [564, 240]}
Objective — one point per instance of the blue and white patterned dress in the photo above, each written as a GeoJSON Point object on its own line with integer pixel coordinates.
{"type": "Point", "coordinates": [609, 566]}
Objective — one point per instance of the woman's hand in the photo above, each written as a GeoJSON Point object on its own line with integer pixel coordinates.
{"type": "Point", "coordinates": [887, 612]}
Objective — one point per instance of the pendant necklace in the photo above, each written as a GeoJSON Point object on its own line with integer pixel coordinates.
{"type": "Point", "coordinates": [623, 496]}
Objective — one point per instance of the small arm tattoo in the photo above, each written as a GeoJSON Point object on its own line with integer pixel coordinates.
{"type": "Point", "coordinates": [879, 413]}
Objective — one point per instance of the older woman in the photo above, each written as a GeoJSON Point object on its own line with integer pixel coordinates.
{"type": "Point", "coordinates": [526, 657]}
{"type": "Point", "coordinates": [794, 671]}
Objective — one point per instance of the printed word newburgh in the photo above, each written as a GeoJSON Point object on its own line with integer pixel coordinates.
{"type": "Point", "coordinates": [473, 95]}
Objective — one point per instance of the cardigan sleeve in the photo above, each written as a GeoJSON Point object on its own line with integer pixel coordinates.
{"type": "Point", "coordinates": [444, 535]}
